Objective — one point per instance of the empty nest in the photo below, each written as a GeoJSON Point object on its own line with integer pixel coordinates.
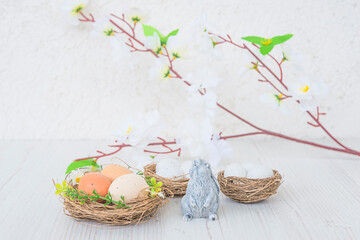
{"type": "Point", "coordinates": [246, 190]}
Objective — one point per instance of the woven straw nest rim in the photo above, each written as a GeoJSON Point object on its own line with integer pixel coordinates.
{"type": "Point", "coordinates": [177, 184]}
{"type": "Point", "coordinates": [248, 190]}
{"type": "Point", "coordinates": [142, 209]}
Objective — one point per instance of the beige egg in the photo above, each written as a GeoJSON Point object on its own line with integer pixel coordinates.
{"type": "Point", "coordinates": [130, 186]}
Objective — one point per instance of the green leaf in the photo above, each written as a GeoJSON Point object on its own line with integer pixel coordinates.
{"type": "Point", "coordinates": [58, 192]}
{"type": "Point", "coordinates": [159, 184]}
{"type": "Point", "coordinates": [82, 163]}
{"type": "Point", "coordinates": [265, 49]}
{"type": "Point", "coordinates": [58, 186]}
{"type": "Point", "coordinates": [173, 33]}
{"type": "Point", "coordinates": [150, 30]}
{"type": "Point", "coordinates": [153, 181]}
{"type": "Point", "coordinates": [254, 39]}
{"type": "Point", "coordinates": [281, 39]}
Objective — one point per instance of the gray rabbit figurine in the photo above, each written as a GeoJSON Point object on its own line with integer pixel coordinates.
{"type": "Point", "coordinates": [202, 194]}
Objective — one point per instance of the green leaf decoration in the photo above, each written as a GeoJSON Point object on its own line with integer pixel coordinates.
{"type": "Point", "coordinates": [173, 33]}
{"type": "Point", "coordinates": [150, 30]}
{"type": "Point", "coordinates": [153, 181]}
{"type": "Point", "coordinates": [267, 44]}
{"type": "Point", "coordinates": [266, 49]}
{"type": "Point", "coordinates": [82, 163]}
{"type": "Point", "coordinates": [281, 39]}
{"type": "Point", "coordinates": [253, 39]}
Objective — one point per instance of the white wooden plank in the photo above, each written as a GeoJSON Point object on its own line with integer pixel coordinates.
{"type": "Point", "coordinates": [319, 199]}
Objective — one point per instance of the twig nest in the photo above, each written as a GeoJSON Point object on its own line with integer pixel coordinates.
{"type": "Point", "coordinates": [177, 184]}
{"type": "Point", "coordinates": [140, 210]}
{"type": "Point", "coordinates": [246, 190]}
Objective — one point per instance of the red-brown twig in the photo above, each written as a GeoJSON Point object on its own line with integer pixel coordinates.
{"type": "Point", "coordinates": [132, 35]}
{"type": "Point", "coordinates": [318, 114]}
{"type": "Point", "coordinates": [85, 18]}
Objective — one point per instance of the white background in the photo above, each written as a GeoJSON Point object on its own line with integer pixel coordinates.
{"type": "Point", "coordinates": [59, 82]}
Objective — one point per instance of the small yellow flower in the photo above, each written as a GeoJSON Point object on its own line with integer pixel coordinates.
{"type": "Point", "coordinates": [135, 19]}
{"type": "Point", "coordinates": [129, 130]}
{"type": "Point", "coordinates": [266, 41]}
{"type": "Point", "coordinates": [61, 188]}
{"type": "Point", "coordinates": [77, 180]}
{"type": "Point", "coordinates": [167, 74]}
{"type": "Point", "coordinates": [77, 9]}
{"type": "Point", "coordinates": [253, 66]}
{"type": "Point", "coordinates": [109, 32]}
{"type": "Point", "coordinates": [304, 88]}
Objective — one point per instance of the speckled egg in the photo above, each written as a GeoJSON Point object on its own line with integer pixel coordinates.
{"type": "Point", "coordinates": [97, 181]}
{"type": "Point", "coordinates": [114, 171]}
{"type": "Point", "coordinates": [130, 186]}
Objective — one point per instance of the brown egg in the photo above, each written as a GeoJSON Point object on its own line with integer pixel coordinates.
{"type": "Point", "coordinates": [114, 171]}
{"type": "Point", "coordinates": [97, 181]}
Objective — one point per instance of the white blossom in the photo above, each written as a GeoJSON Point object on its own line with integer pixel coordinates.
{"type": "Point", "coordinates": [140, 130]}
{"type": "Point", "coordinates": [177, 46]}
{"type": "Point", "coordinates": [276, 101]}
{"type": "Point", "coordinates": [218, 149]}
{"type": "Point", "coordinates": [72, 8]}
{"type": "Point", "coordinates": [77, 174]}
{"type": "Point", "coordinates": [307, 91]}
{"type": "Point", "coordinates": [153, 43]}
{"type": "Point", "coordinates": [159, 70]}
{"type": "Point", "coordinates": [202, 105]}
{"type": "Point", "coordinates": [203, 77]}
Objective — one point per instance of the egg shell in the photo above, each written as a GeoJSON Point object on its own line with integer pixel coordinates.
{"type": "Point", "coordinates": [168, 168]}
{"type": "Point", "coordinates": [235, 170]}
{"type": "Point", "coordinates": [250, 165]}
{"type": "Point", "coordinates": [260, 172]}
{"type": "Point", "coordinates": [185, 167]}
{"type": "Point", "coordinates": [114, 171]}
{"type": "Point", "coordinates": [97, 181]}
{"type": "Point", "coordinates": [130, 186]}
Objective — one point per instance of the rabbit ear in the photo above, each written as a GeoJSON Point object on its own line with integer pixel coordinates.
{"type": "Point", "coordinates": [216, 182]}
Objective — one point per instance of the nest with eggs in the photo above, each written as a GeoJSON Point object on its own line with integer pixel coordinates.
{"type": "Point", "coordinates": [138, 210]}
{"type": "Point", "coordinates": [177, 185]}
{"type": "Point", "coordinates": [246, 190]}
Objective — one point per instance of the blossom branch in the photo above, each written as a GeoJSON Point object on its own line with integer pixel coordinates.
{"type": "Point", "coordinates": [269, 82]}
{"type": "Point", "coordinates": [132, 34]}
{"type": "Point", "coordinates": [260, 130]}
{"type": "Point", "coordinates": [315, 119]}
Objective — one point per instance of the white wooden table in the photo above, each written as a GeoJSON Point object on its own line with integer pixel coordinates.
{"type": "Point", "coordinates": [319, 199]}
